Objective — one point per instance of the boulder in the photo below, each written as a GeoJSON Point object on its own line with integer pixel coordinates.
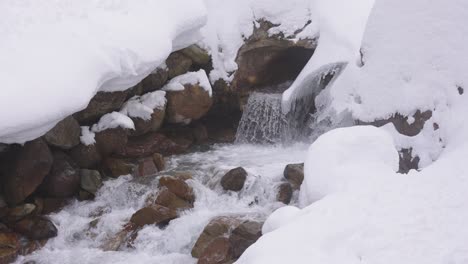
{"type": "Point", "coordinates": [200, 133]}
{"type": "Point", "coordinates": [147, 145]}
{"type": "Point", "coordinates": [146, 167]}
{"type": "Point", "coordinates": [219, 251]}
{"type": "Point", "coordinates": [90, 180]}
{"type": "Point", "coordinates": [153, 215]}
{"type": "Point", "coordinates": [65, 135]}
{"type": "Point", "coordinates": [189, 104]}
{"type": "Point", "coordinates": [294, 173]}
{"type": "Point", "coordinates": [234, 179]}
{"type": "Point", "coordinates": [18, 212]}
{"type": "Point", "coordinates": [35, 227]}
{"type": "Point", "coordinates": [285, 193]}
{"type": "Point", "coordinates": [244, 236]}
{"type": "Point", "coordinates": [159, 161]}
{"type": "Point", "coordinates": [198, 55]}
{"type": "Point", "coordinates": [168, 199]}
{"type": "Point", "coordinates": [86, 156]}
{"type": "Point", "coordinates": [402, 123]}
{"type": "Point", "coordinates": [9, 246]}
{"type": "Point", "coordinates": [115, 167]}
{"type": "Point", "coordinates": [111, 140]}
{"type": "Point", "coordinates": [49, 205]}
{"type": "Point", "coordinates": [155, 80]}
{"type": "Point", "coordinates": [179, 187]}
{"type": "Point", "coordinates": [32, 163]}
{"type": "Point", "coordinates": [177, 64]}
{"type": "Point", "coordinates": [119, 239]}
{"type": "Point", "coordinates": [63, 179]}
{"type": "Point", "coordinates": [101, 104]}
{"type": "Point", "coordinates": [85, 195]}
{"type": "Point", "coordinates": [144, 126]}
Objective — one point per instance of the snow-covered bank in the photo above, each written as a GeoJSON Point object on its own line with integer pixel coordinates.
{"type": "Point", "coordinates": [57, 54]}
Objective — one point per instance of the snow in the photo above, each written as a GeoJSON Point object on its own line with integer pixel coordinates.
{"type": "Point", "coordinates": [57, 54]}
{"type": "Point", "coordinates": [87, 136]}
{"type": "Point", "coordinates": [144, 106]}
{"type": "Point", "coordinates": [113, 120]}
{"type": "Point", "coordinates": [193, 78]}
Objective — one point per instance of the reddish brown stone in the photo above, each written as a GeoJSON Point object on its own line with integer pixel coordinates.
{"type": "Point", "coordinates": [168, 199]}
{"type": "Point", "coordinates": [111, 140]}
{"type": "Point", "coordinates": [154, 215]}
{"type": "Point", "coordinates": [63, 179]}
{"type": "Point", "coordinates": [149, 144]}
{"type": "Point", "coordinates": [285, 192]}
{"type": "Point", "coordinates": [179, 187]}
{"type": "Point", "coordinates": [189, 104]}
{"type": "Point", "coordinates": [219, 251]}
{"type": "Point", "coordinates": [35, 227]}
{"type": "Point", "coordinates": [87, 157]}
{"type": "Point", "coordinates": [146, 167]}
{"type": "Point", "coordinates": [159, 161]}
{"type": "Point", "coordinates": [102, 103]}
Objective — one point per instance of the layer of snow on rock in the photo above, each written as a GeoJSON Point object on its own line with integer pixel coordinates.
{"type": "Point", "coordinates": [87, 136]}
{"type": "Point", "coordinates": [113, 120]}
{"type": "Point", "coordinates": [143, 106]}
{"type": "Point", "coordinates": [192, 78]}
{"type": "Point", "coordinates": [57, 54]}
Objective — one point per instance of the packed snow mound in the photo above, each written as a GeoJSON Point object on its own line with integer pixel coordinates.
{"type": "Point", "coordinates": [190, 78]}
{"type": "Point", "coordinates": [57, 54]}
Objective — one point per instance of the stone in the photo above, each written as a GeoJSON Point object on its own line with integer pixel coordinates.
{"type": "Point", "coordinates": [87, 157]}
{"type": "Point", "coordinates": [146, 167]}
{"type": "Point", "coordinates": [9, 246]}
{"type": "Point", "coordinates": [35, 227]}
{"type": "Point", "coordinates": [147, 145]}
{"type": "Point", "coordinates": [285, 193]}
{"type": "Point", "coordinates": [63, 179]}
{"type": "Point", "coordinates": [200, 133]}
{"type": "Point", "coordinates": [32, 163]}
{"type": "Point", "coordinates": [115, 167]}
{"type": "Point", "coordinates": [159, 161]}
{"type": "Point", "coordinates": [244, 236]}
{"type": "Point", "coordinates": [187, 105]}
{"type": "Point", "coordinates": [119, 239]}
{"type": "Point", "coordinates": [177, 64]}
{"type": "Point", "coordinates": [155, 80]}
{"type": "Point", "coordinates": [401, 123]}
{"type": "Point", "coordinates": [154, 215]}
{"type": "Point", "coordinates": [111, 140]}
{"type": "Point", "coordinates": [168, 199]}
{"type": "Point", "coordinates": [179, 187]}
{"type": "Point", "coordinates": [49, 205]}
{"type": "Point", "coordinates": [407, 161]}
{"type": "Point", "coordinates": [234, 179]}
{"type": "Point", "coordinates": [101, 104]}
{"type": "Point", "coordinates": [294, 173]}
{"type": "Point", "coordinates": [198, 55]}
{"type": "Point", "coordinates": [29, 246]}
{"type": "Point", "coordinates": [85, 195]}
{"type": "Point", "coordinates": [65, 135]}
{"type": "Point", "coordinates": [144, 126]}
{"type": "Point", "coordinates": [219, 251]}
{"type": "Point", "coordinates": [90, 180]}
{"type": "Point", "coordinates": [18, 212]}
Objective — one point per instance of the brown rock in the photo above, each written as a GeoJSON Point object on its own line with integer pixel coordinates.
{"type": "Point", "coordinates": [244, 236]}
{"type": "Point", "coordinates": [146, 167]}
{"type": "Point", "coordinates": [155, 80]}
{"type": "Point", "coordinates": [86, 157]}
{"type": "Point", "coordinates": [234, 180]}
{"type": "Point", "coordinates": [9, 246]}
{"type": "Point", "coordinates": [115, 167]}
{"type": "Point", "coordinates": [52, 205]}
{"type": "Point", "coordinates": [159, 161]}
{"type": "Point", "coordinates": [198, 55]}
{"type": "Point", "coordinates": [111, 140]}
{"type": "Point", "coordinates": [90, 180]}
{"type": "Point", "coordinates": [219, 251]}
{"type": "Point", "coordinates": [102, 103]}
{"type": "Point", "coordinates": [401, 122]}
{"type": "Point", "coordinates": [85, 195]}
{"type": "Point", "coordinates": [285, 193]}
{"type": "Point", "coordinates": [144, 126]}
{"type": "Point", "coordinates": [168, 199]}
{"type": "Point", "coordinates": [294, 173]}
{"type": "Point", "coordinates": [65, 135]}
{"type": "Point", "coordinates": [31, 165]}
{"type": "Point", "coordinates": [29, 246]}
{"type": "Point", "coordinates": [192, 103]}
{"type": "Point", "coordinates": [149, 144]}
{"type": "Point", "coordinates": [35, 227]}
{"type": "Point", "coordinates": [200, 133]}
{"type": "Point", "coordinates": [154, 215]}
{"type": "Point", "coordinates": [178, 64]}
{"type": "Point", "coordinates": [179, 187]}
{"type": "Point", "coordinates": [19, 212]}
{"type": "Point", "coordinates": [119, 239]}
{"type": "Point", "coordinates": [63, 179]}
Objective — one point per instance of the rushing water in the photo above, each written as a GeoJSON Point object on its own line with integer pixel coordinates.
{"type": "Point", "coordinates": [78, 242]}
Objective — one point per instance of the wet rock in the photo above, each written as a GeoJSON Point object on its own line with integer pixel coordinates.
{"type": "Point", "coordinates": [90, 180]}
{"type": "Point", "coordinates": [146, 167]}
{"type": "Point", "coordinates": [87, 157]}
{"type": "Point", "coordinates": [32, 163]}
{"type": "Point", "coordinates": [65, 135]}
{"type": "Point", "coordinates": [219, 251]}
{"type": "Point", "coordinates": [178, 64]}
{"type": "Point", "coordinates": [144, 126]}
{"type": "Point", "coordinates": [168, 199]}
{"type": "Point", "coordinates": [155, 80]}
{"type": "Point", "coordinates": [111, 140]}
{"type": "Point", "coordinates": [115, 167]}
{"type": "Point", "coordinates": [9, 246]}
{"type": "Point", "coordinates": [217, 227]}
{"type": "Point", "coordinates": [149, 144]}
{"type": "Point", "coordinates": [85, 195]}
{"type": "Point", "coordinates": [102, 103]}
{"type": "Point", "coordinates": [119, 239]}
{"type": "Point", "coordinates": [50, 205]}
{"type": "Point", "coordinates": [403, 124]}
{"type": "Point", "coordinates": [198, 55]}
{"type": "Point", "coordinates": [244, 236]}
{"type": "Point", "coordinates": [35, 227]}
{"type": "Point", "coordinates": [29, 246]}
{"type": "Point", "coordinates": [63, 179]}
{"type": "Point", "coordinates": [285, 193]}
{"type": "Point", "coordinates": [159, 161]}
{"type": "Point", "coordinates": [19, 212]}
{"type": "Point", "coordinates": [234, 180]}
{"type": "Point", "coordinates": [294, 173]}
{"type": "Point", "coordinates": [179, 187]}
{"type": "Point", "coordinates": [200, 133]}
{"type": "Point", "coordinates": [154, 215]}
{"type": "Point", "coordinates": [189, 104]}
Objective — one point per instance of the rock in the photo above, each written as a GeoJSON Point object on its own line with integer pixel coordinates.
{"type": "Point", "coordinates": [219, 251]}
{"type": "Point", "coordinates": [168, 199]}
{"type": "Point", "coordinates": [115, 167]}
{"type": "Point", "coordinates": [402, 124]}
{"type": "Point", "coordinates": [244, 236]}
{"type": "Point", "coordinates": [179, 187]}
{"type": "Point", "coordinates": [19, 212]}
{"type": "Point", "coordinates": [159, 161]}
{"type": "Point", "coordinates": [219, 226]}
{"type": "Point", "coordinates": [234, 180]}
{"type": "Point", "coordinates": [294, 173]}
{"type": "Point", "coordinates": [178, 64]}
{"type": "Point", "coordinates": [144, 126]}
{"type": "Point", "coordinates": [35, 227]}
{"type": "Point", "coordinates": [155, 80]}
{"type": "Point", "coordinates": [30, 166]}
{"type": "Point", "coordinates": [63, 179]}
{"type": "Point", "coordinates": [9, 246]}
{"type": "Point", "coordinates": [49, 205]}
{"type": "Point", "coordinates": [285, 193]}
{"type": "Point", "coordinates": [146, 167]}
{"type": "Point", "coordinates": [86, 157]}
{"type": "Point", "coordinates": [111, 140]}
{"type": "Point", "coordinates": [65, 135]}
{"type": "Point", "coordinates": [90, 180]}
{"type": "Point", "coordinates": [154, 215]}
{"type": "Point", "coordinates": [198, 55]}
{"type": "Point", "coordinates": [29, 246]}
{"type": "Point", "coordinates": [119, 239]}
{"type": "Point", "coordinates": [102, 103]}
{"type": "Point", "coordinates": [407, 161]}
{"type": "Point", "coordinates": [200, 133]}
{"type": "Point", "coordinates": [85, 195]}
{"type": "Point", "coordinates": [147, 145]}
{"type": "Point", "coordinates": [189, 104]}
